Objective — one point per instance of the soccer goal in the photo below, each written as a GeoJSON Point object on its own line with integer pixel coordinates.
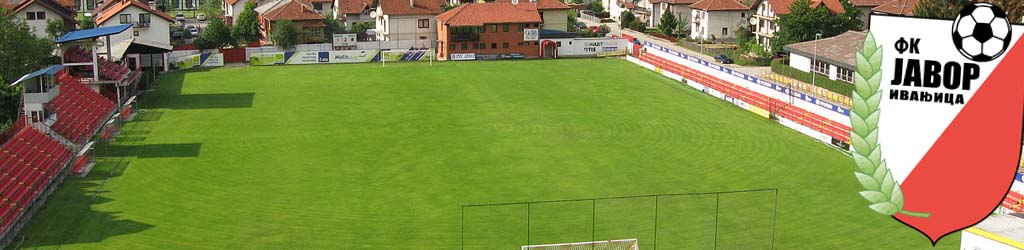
{"type": "Point", "coordinates": [407, 55]}
{"type": "Point", "coordinates": [627, 244]}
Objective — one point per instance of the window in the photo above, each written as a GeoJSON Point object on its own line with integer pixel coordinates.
{"type": "Point", "coordinates": [35, 15]}
{"type": "Point", "coordinates": [125, 18]}
{"type": "Point", "coordinates": [30, 15]}
{"type": "Point", "coordinates": [521, 26]}
{"type": "Point", "coordinates": [725, 31]}
{"type": "Point", "coordinates": [504, 45]}
{"type": "Point", "coordinates": [144, 18]}
{"type": "Point", "coordinates": [494, 28]}
{"type": "Point", "coordinates": [743, 14]}
{"type": "Point", "coordinates": [558, 44]}
{"type": "Point", "coordinates": [820, 67]}
{"type": "Point", "coordinates": [483, 46]}
{"type": "Point", "coordinates": [423, 37]}
{"type": "Point", "coordinates": [494, 45]}
{"type": "Point", "coordinates": [424, 23]}
{"type": "Point", "coordinates": [41, 15]}
{"type": "Point", "coordinates": [481, 29]}
{"type": "Point", "coordinates": [844, 74]}
{"type": "Point", "coordinates": [504, 28]}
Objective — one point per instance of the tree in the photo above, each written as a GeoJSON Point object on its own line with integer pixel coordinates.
{"type": "Point", "coordinates": [55, 28]}
{"type": "Point", "coordinates": [247, 28]}
{"type": "Point", "coordinates": [217, 34]}
{"type": "Point", "coordinates": [334, 26]}
{"type": "Point", "coordinates": [212, 8]}
{"type": "Point", "coordinates": [804, 22]}
{"type": "Point", "coordinates": [596, 7]}
{"type": "Point", "coordinates": [1013, 8]}
{"type": "Point", "coordinates": [850, 18]}
{"type": "Point", "coordinates": [683, 28]}
{"type": "Point", "coordinates": [668, 23]}
{"type": "Point", "coordinates": [22, 53]}
{"type": "Point", "coordinates": [85, 22]}
{"type": "Point", "coordinates": [626, 18]}
{"type": "Point", "coordinates": [572, 20]}
{"type": "Point", "coordinates": [285, 34]}
{"type": "Point", "coordinates": [942, 9]}
{"type": "Point", "coordinates": [743, 39]}
{"type": "Point", "coordinates": [360, 28]}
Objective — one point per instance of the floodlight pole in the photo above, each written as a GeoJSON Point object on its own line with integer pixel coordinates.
{"type": "Point", "coordinates": [814, 84]}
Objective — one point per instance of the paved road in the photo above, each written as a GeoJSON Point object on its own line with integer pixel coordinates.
{"type": "Point", "coordinates": [750, 70]}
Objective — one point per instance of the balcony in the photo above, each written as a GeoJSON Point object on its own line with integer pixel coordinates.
{"type": "Point", "coordinates": [462, 37]}
{"type": "Point", "coordinates": [141, 25]}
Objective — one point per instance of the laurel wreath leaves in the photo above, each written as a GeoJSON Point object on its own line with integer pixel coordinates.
{"type": "Point", "coordinates": [880, 188]}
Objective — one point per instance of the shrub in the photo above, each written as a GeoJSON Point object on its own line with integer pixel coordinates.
{"type": "Point", "coordinates": [780, 67]}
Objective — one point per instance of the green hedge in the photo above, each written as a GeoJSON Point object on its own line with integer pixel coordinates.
{"type": "Point", "coordinates": [839, 87]}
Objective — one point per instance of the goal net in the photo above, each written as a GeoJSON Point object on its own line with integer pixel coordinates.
{"type": "Point", "coordinates": [627, 244]}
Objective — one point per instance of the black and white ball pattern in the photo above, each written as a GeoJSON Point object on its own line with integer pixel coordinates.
{"type": "Point", "coordinates": [981, 32]}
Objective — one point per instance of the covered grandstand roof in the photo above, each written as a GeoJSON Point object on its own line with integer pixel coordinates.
{"type": "Point", "coordinates": [45, 71]}
{"type": "Point", "coordinates": [93, 33]}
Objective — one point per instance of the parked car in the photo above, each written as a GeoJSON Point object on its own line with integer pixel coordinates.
{"type": "Point", "coordinates": [193, 30]}
{"type": "Point", "coordinates": [723, 59]}
{"type": "Point", "coordinates": [180, 16]}
{"type": "Point", "coordinates": [201, 17]}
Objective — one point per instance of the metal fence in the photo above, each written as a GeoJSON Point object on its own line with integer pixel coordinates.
{"type": "Point", "coordinates": [743, 219]}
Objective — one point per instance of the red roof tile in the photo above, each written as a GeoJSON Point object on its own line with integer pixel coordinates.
{"type": "Point", "coordinates": [478, 14]}
{"type": "Point", "coordinates": [410, 7]}
{"type": "Point", "coordinates": [781, 7]}
{"type": "Point", "coordinates": [353, 6]}
{"type": "Point", "coordinates": [113, 7]}
{"type": "Point", "coordinates": [685, 2]}
{"type": "Point", "coordinates": [897, 7]}
{"type": "Point", "coordinates": [867, 3]}
{"type": "Point", "coordinates": [719, 5]}
{"type": "Point", "coordinates": [292, 10]}
{"type": "Point", "coordinates": [551, 5]}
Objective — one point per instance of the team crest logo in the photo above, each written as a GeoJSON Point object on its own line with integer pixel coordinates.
{"type": "Point", "coordinates": [936, 121]}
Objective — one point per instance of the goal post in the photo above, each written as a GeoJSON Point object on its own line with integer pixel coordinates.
{"type": "Point", "coordinates": [625, 244]}
{"type": "Point", "coordinates": [407, 55]}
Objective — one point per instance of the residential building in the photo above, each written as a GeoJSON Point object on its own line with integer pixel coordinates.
{"type": "Point", "coordinates": [834, 57]}
{"type": "Point", "coordinates": [865, 7]}
{"type": "Point", "coordinates": [183, 4]}
{"type": "Point", "coordinates": [351, 12]}
{"type": "Point", "coordinates": [497, 28]}
{"type": "Point", "coordinates": [767, 16]}
{"type": "Point", "coordinates": [308, 21]}
{"type": "Point", "coordinates": [719, 19]}
{"type": "Point", "coordinates": [411, 23]}
{"type": "Point", "coordinates": [323, 7]}
{"type": "Point", "coordinates": [679, 8]}
{"type": "Point", "coordinates": [233, 8]}
{"type": "Point", "coordinates": [554, 13]}
{"type": "Point", "coordinates": [148, 24]}
{"type": "Point", "coordinates": [897, 7]}
{"type": "Point", "coordinates": [37, 13]}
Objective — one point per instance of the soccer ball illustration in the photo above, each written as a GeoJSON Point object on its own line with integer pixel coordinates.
{"type": "Point", "coordinates": [981, 32]}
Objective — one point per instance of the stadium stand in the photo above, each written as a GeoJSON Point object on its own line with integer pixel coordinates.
{"type": "Point", "coordinates": [29, 162]}
{"type": "Point", "coordinates": [76, 54]}
{"type": "Point", "coordinates": [80, 110]}
{"type": "Point", "coordinates": [775, 106]}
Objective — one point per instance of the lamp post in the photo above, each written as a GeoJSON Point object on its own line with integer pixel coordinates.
{"type": "Point", "coordinates": [814, 63]}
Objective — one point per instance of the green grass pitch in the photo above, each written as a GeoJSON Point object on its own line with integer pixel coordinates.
{"type": "Point", "coordinates": [362, 157]}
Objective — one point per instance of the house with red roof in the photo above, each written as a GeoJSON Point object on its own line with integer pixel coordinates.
{"type": "Point", "coordinates": [308, 21]}
{"type": "Point", "coordinates": [679, 8]}
{"type": "Point", "coordinates": [720, 19]}
{"type": "Point", "coordinates": [767, 16]}
{"type": "Point", "coordinates": [496, 28]}
{"type": "Point", "coordinates": [865, 7]}
{"type": "Point", "coordinates": [148, 24]}
{"type": "Point", "coordinates": [554, 13]}
{"type": "Point", "coordinates": [351, 12]}
{"type": "Point", "coordinates": [410, 23]}
{"type": "Point", "coordinates": [37, 13]}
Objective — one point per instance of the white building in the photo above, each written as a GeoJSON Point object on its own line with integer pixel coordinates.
{"type": "Point", "coordinates": [37, 13]}
{"type": "Point", "coordinates": [351, 12]}
{"type": "Point", "coordinates": [834, 57]}
{"type": "Point", "coordinates": [679, 8]}
{"type": "Point", "coordinates": [768, 12]}
{"type": "Point", "coordinates": [411, 23]}
{"type": "Point", "coordinates": [148, 24]}
{"type": "Point", "coordinates": [719, 19]}
{"type": "Point", "coordinates": [554, 13]}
